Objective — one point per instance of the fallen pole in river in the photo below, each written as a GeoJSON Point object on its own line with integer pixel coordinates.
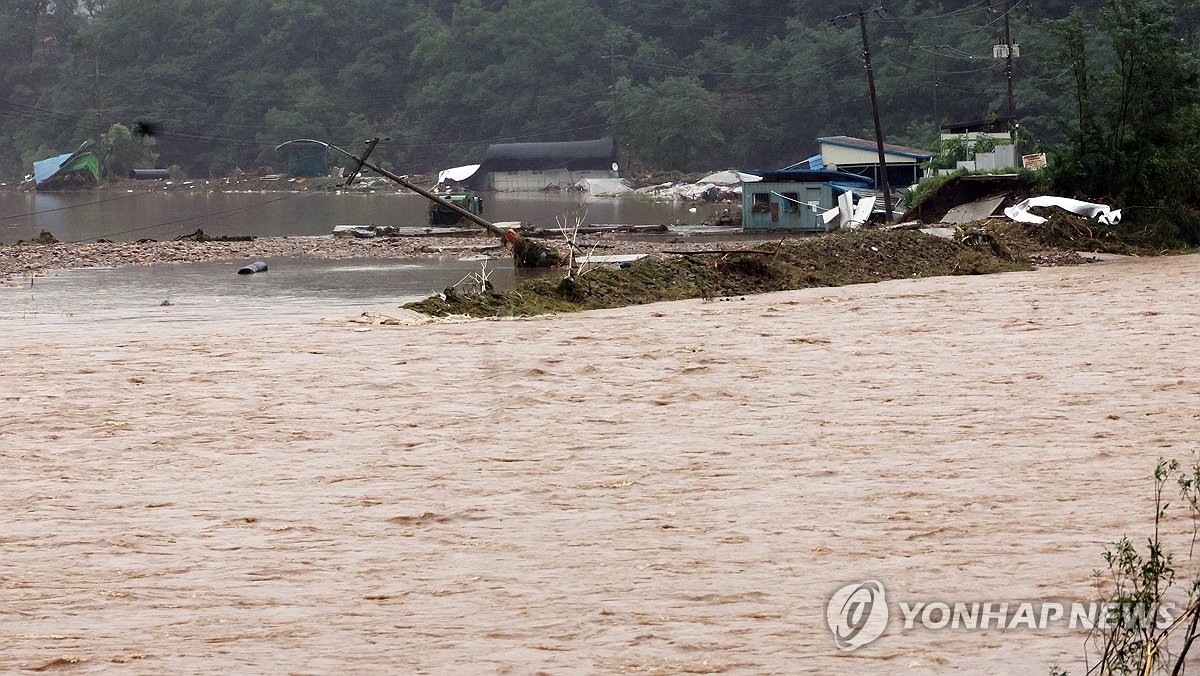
{"type": "Point", "coordinates": [526, 253]}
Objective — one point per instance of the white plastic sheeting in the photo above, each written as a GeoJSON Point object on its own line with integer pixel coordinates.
{"type": "Point", "coordinates": [1020, 212]}
{"type": "Point", "coordinates": [458, 174]}
{"type": "Point", "coordinates": [729, 177]}
{"type": "Point", "coordinates": [689, 191]}
{"type": "Point", "coordinates": [843, 214]}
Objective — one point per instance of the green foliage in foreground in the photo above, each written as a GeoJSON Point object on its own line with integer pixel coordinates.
{"type": "Point", "coordinates": [833, 260]}
{"type": "Point", "coordinates": [1142, 637]}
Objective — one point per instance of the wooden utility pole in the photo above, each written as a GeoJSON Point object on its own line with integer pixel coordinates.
{"type": "Point", "coordinates": [882, 183]}
{"type": "Point", "coordinates": [1008, 73]}
{"type": "Point", "coordinates": [99, 109]}
{"type": "Point", "coordinates": [526, 253]}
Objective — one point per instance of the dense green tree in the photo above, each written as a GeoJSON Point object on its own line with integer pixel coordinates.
{"type": "Point", "coordinates": [665, 123]}
{"type": "Point", "coordinates": [1136, 127]}
{"type": "Point", "coordinates": [123, 151]}
{"type": "Point", "coordinates": [683, 84]}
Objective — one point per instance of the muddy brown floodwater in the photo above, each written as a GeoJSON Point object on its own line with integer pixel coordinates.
{"type": "Point", "coordinates": [660, 489]}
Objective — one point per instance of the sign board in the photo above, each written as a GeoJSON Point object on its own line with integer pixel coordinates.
{"type": "Point", "coordinates": [1034, 161]}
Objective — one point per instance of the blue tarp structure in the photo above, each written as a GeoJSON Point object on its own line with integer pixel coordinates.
{"type": "Point", "coordinates": [83, 161]}
{"type": "Point", "coordinates": [812, 176]}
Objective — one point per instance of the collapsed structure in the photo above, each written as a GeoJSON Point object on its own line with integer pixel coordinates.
{"type": "Point", "coordinates": [81, 167]}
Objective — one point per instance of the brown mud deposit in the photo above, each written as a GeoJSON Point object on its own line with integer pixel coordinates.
{"type": "Point", "coordinates": [658, 489]}
{"type": "Point", "coordinates": [836, 259]}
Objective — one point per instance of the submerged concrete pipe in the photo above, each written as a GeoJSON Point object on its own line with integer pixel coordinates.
{"type": "Point", "coordinates": [256, 266]}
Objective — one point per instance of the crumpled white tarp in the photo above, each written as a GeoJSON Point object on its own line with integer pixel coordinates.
{"type": "Point", "coordinates": [691, 191]}
{"type": "Point", "coordinates": [729, 177]}
{"type": "Point", "coordinates": [458, 174]}
{"type": "Point", "coordinates": [841, 216]}
{"type": "Point", "coordinates": [1020, 212]}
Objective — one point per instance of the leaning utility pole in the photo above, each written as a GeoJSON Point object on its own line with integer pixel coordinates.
{"type": "Point", "coordinates": [883, 177]}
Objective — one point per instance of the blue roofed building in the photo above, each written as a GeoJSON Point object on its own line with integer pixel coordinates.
{"type": "Point", "coordinates": [795, 199]}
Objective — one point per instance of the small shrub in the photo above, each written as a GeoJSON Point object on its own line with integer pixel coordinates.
{"type": "Point", "coordinates": [1134, 641]}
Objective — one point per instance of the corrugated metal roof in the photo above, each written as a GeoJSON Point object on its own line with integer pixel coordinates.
{"type": "Point", "coordinates": [82, 159]}
{"type": "Point", "coordinates": [863, 144]}
{"type": "Point", "coordinates": [44, 169]}
{"type": "Point", "coordinates": [997, 125]}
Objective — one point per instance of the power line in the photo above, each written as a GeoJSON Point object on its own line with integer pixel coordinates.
{"type": "Point", "coordinates": [937, 17]}
{"type": "Point", "coordinates": [73, 206]}
{"type": "Point", "coordinates": [989, 67]}
{"type": "Point", "coordinates": [953, 52]}
{"type": "Point", "coordinates": [215, 216]}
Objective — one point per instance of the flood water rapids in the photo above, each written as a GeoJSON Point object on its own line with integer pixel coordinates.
{"type": "Point", "coordinates": [671, 488]}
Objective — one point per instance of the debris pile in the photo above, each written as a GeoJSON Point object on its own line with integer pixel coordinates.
{"type": "Point", "coordinates": [722, 186]}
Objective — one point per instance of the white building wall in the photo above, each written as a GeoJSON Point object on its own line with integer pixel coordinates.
{"type": "Point", "coordinates": [834, 154]}
{"type": "Point", "coordinates": [527, 181]}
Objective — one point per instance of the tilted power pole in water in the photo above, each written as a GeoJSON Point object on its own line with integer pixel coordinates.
{"type": "Point", "coordinates": [526, 254]}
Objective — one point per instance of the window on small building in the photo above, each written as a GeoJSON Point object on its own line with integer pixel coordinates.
{"type": "Point", "coordinates": [791, 202]}
{"type": "Point", "coordinates": [762, 203]}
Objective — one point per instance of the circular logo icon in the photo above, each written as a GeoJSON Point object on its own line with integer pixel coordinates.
{"type": "Point", "coordinates": [857, 614]}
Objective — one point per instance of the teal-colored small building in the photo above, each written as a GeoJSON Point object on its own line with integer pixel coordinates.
{"type": "Point", "coordinates": [307, 159]}
{"type": "Point", "coordinates": [795, 199]}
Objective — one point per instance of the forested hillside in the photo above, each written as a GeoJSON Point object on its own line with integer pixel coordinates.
{"type": "Point", "coordinates": [682, 84]}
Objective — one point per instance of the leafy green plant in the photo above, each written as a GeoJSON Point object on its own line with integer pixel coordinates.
{"type": "Point", "coordinates": [126, 151]}
{"type": "Point", "coordinates": [984, 144]}
{"type": "Point", "coordinates": [959, 149]}
{"type": "Point", "coordinates": [1141, 628]}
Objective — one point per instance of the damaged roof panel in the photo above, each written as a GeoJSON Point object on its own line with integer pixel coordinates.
{"type": "Point", "coordinates": [82, 161]}
{"type": "Point", "coordinates": [863, 144]}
